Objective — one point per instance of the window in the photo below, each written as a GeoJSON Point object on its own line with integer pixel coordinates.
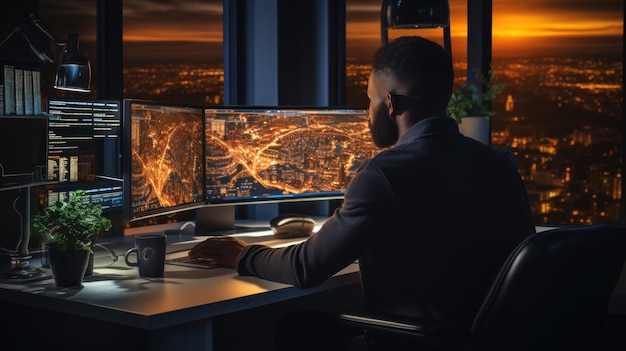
{"type": "Point", "coordinates": [173, 51]}
{"type": "Point", "coordinates": [564, 96]}
{"type": "Point", "coordinates": [562, 108]}
{"type": "Point", "coordinates": [564, 92]}
{"type": "Point", "coordinates": [363, 38]}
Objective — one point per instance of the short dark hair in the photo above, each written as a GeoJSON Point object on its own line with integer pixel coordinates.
{"type": "Point", "coordinates": [423, 65]}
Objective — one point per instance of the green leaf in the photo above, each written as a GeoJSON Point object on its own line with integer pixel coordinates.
{"type": "Point", "coordinates": [468, 100]}
{"type": "Point", "coordinates": [72, 222]}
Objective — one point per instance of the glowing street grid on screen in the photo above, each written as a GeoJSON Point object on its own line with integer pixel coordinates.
{"type": "Point", "coordinates": [167, 149]}
{"type": "Point", "coordinates": [260, 155]}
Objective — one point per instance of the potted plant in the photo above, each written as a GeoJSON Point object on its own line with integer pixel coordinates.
{"type": "Point", "coordinates": [69, 227]}
{"type": "Point", "coordinates": [471, 108]}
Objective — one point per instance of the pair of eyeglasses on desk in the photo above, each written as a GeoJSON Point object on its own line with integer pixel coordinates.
{"type": "Point", "coordinates": [103, 256]}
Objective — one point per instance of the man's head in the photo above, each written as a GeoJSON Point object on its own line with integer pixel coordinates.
{"type": "Point", "coordinates": [412, 77]}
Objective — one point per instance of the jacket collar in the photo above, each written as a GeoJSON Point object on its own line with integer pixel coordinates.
{"type": "Point", "coordinates": [432, 126]}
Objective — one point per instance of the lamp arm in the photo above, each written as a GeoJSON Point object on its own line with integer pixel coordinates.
{"type": "Point", "coordinates": [17, 29]}
{"type": "Point", "coordinates": [42, 43]}
{"type": "Point", "coordinates": [40, 27]}
{"type": "Point", "coordinates": [44, 31]}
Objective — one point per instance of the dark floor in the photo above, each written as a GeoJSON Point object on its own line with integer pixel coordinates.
{"type": "Point", "coordinates": [614, 337]}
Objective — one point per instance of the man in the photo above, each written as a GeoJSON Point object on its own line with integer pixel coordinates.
{"type": "Point", "coordinates": [430, 219]}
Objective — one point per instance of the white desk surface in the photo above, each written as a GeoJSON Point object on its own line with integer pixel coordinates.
{"type": "Point", "coordinates": [117, 294]}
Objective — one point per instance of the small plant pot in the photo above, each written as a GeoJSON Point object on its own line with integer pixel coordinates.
{"type": "Point", "coordinates": [89, 270]}
{"type": "Point", "coordinates": [68, 267]}
{"type": "Point", "coordinates": [477, 127]}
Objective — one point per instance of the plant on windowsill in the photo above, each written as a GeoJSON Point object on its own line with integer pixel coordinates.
{"type": "Point", "coordinates": [69, 228]}
{"type": "Point", "coordinates": [469, 106]}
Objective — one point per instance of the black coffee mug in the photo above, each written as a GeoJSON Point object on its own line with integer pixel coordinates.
{"type": "Point", "coordinates": [150, 252]}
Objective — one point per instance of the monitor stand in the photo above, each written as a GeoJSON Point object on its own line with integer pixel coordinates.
{"type": "Point", "coordinates": [222, 219]}
{"type": "Point", "coordinates": [212, 220]}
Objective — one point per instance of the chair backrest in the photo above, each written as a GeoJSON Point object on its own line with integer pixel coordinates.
{"type": "Point", "coordinates": [553, 291]}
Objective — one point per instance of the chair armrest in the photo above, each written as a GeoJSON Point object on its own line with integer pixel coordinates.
{"type": "Point", "coordinates": [423, 331]}
{"type": "Point", "coordinates": [388, 324]}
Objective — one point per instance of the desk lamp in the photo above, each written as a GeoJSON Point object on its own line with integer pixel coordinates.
{"type": "Point", "coordinates": [74, 68]}
{"type": "Point", "coordinates": [407, 14]}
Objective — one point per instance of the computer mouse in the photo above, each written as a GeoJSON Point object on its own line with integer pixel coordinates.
{"type": "Point", "coordinates": [290, 225]}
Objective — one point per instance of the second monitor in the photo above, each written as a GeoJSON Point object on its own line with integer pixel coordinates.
{"type": "Point", "coordinates": [163, 158]}
{"type": "Point", "coordinates": [259, 155]}
{"type": "Point", "coordinates": [255, 154]}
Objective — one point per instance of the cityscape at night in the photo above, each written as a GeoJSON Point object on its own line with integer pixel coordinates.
{"type": "Point", "coordinates": [561, 115]}
{"type": "Point", "coordinates": [253, 154]}
{"type": "Point", "coordinates": [166, 159]}
{"type": "Point", "coordinates": [564, 117]}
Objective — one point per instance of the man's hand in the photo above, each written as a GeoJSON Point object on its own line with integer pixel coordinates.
{"type": "Point", "coordinates": [222, 249]}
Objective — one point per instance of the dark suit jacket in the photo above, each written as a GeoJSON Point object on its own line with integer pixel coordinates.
{"type": "Point", "coordinates": [431, 220]}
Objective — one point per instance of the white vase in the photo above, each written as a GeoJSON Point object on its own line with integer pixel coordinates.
{"type": "Point", "coordinates": [476, 127]}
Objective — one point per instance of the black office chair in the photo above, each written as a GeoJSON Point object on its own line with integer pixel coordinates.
{"type": "Point", "coordinates": [551, 294]}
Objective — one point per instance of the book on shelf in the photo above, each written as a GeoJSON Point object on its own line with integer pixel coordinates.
{"type": "Point", "coordinates": [37, 92]}
{"type": "Point", "coordinates": [29, 98]}
{"type": "Point", "coordinates": [1, 97]}
{"type": "Point", "coordinates": [19, 91]}
{"type": "Point", "coordinates": [20, 87]}
{"type": "Point", "coordinates": [8, 77]}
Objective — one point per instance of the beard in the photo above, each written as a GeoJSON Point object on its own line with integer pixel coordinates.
{"type": "Point", "coordinates": [384, 130]}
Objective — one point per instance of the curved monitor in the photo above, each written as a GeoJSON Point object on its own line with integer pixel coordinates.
{"type": "Point", "coordinates": [163, 157]}
{"type": "Point", "coordinates": [283, 154]}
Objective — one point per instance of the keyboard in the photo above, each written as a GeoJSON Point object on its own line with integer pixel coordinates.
{"type": "Point", "coordinates": [194, 262]}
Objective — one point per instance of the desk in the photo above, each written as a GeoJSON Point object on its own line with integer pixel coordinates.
{"type": "Point", "coordinates": [187, 309]}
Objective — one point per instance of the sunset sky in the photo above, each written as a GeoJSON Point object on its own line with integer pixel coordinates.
{"type": "Point", "coordinates": [519, 26]}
